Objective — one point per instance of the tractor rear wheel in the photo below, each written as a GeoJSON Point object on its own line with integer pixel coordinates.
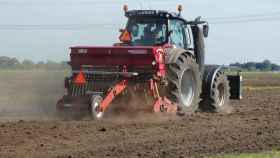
{"type": "Point", "coordinates": [218, 101]}
{"type": "Point", "coordinates": [184, 83]}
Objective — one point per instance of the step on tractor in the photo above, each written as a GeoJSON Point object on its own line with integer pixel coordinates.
{"type": "Point", "coordinates": [160, 59]}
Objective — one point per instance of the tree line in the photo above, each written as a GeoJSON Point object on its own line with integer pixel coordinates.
{"type": "Point", "coordinates": [14, 63]}
{"type": "Point", "coordinates": [266, 65]}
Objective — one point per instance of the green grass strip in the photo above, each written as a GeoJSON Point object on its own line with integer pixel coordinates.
{"type": "Point", "coordinates": [272, 154]}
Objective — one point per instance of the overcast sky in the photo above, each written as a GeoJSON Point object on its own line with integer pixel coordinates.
{"type": "Point", "coordinates": [228, 42]}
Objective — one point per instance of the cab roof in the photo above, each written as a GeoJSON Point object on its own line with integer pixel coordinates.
{"type": "Point", "coordinates": [154, 13]}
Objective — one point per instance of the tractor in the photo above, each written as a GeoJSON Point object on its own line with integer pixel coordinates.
{"type": "Point", "coordinates": [160, 58]}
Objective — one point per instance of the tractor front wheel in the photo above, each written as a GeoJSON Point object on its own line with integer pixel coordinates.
{"type": "Point", "coordinates": [218, 101]}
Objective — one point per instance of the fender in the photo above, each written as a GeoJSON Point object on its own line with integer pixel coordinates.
{"type": "Point", "coordinates": [172, 54]}
{"type": "Point", "coordinates": [208, 78]}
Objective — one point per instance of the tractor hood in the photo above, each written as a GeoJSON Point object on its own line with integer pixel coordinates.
{"type": "Point", "coordinates": [112, 56]}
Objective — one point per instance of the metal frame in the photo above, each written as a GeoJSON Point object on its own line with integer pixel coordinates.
{"type": "Point", "coordinates": [162, 104]}
{"type": "Point", "coordinates": [115, 91]}
{"type": "Point", "coordinates": [124, 74]}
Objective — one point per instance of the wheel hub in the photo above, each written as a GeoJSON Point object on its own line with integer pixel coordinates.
{"type": "Point", "coordinates": [188, 88]}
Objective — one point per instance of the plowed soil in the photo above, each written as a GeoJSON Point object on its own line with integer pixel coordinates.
{"type": "Point", "coordinates": [253, 126]}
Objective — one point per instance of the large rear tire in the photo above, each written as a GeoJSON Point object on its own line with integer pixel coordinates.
{"type": "Point", "coordinates": [184, 83]}
{"type": "Point", "coordinates": [219, 98]}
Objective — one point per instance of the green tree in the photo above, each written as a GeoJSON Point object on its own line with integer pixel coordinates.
{"type": "Point", "coordinates": [267, 65]}
{"type": "Point", "coordinates": [8, 63]}
{"type": "Point", "coordinates": [275, 67]}
{"type": "Point", "coordinates": [27, 64]}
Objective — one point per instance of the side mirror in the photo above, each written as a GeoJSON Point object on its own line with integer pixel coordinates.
{"type": "Point", "coordinates": [205, 30]}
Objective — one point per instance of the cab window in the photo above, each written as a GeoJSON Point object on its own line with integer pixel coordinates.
{"type": "Point", "coordinates": [147, 31]}
{"type": "Point", "coordinates": [189, 37]}
{"type": "Point", "coordinates": [178, 35]}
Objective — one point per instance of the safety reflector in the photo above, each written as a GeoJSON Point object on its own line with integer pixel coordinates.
{"type": "Point", "coordinates": [80, 78]}
{"type": "Point", "coordinates": [125, 36]}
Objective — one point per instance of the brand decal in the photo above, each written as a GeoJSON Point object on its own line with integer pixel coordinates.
{"type": "Point", "coordinates": [137, 51]}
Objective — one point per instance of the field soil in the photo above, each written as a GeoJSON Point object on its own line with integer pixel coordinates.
{"type": "Point", "coordinates": [253, 126]}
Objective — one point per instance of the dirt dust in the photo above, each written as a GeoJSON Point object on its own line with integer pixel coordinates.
{"type": "Point", "coordinates": [30, 95]}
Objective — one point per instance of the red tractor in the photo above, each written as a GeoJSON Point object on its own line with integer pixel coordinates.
{"type": "Point", "coordinates": [160, 58]}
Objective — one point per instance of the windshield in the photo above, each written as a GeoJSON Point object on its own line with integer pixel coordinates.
{"type": "Point", "coordinates": [147, 31]}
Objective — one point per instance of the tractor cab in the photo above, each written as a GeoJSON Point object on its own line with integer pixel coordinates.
{"type": "Point", "coordinates": [157, 28]}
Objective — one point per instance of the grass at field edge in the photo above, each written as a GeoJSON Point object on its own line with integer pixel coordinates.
{"type": "Point", "coordinates": [271, 154]}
